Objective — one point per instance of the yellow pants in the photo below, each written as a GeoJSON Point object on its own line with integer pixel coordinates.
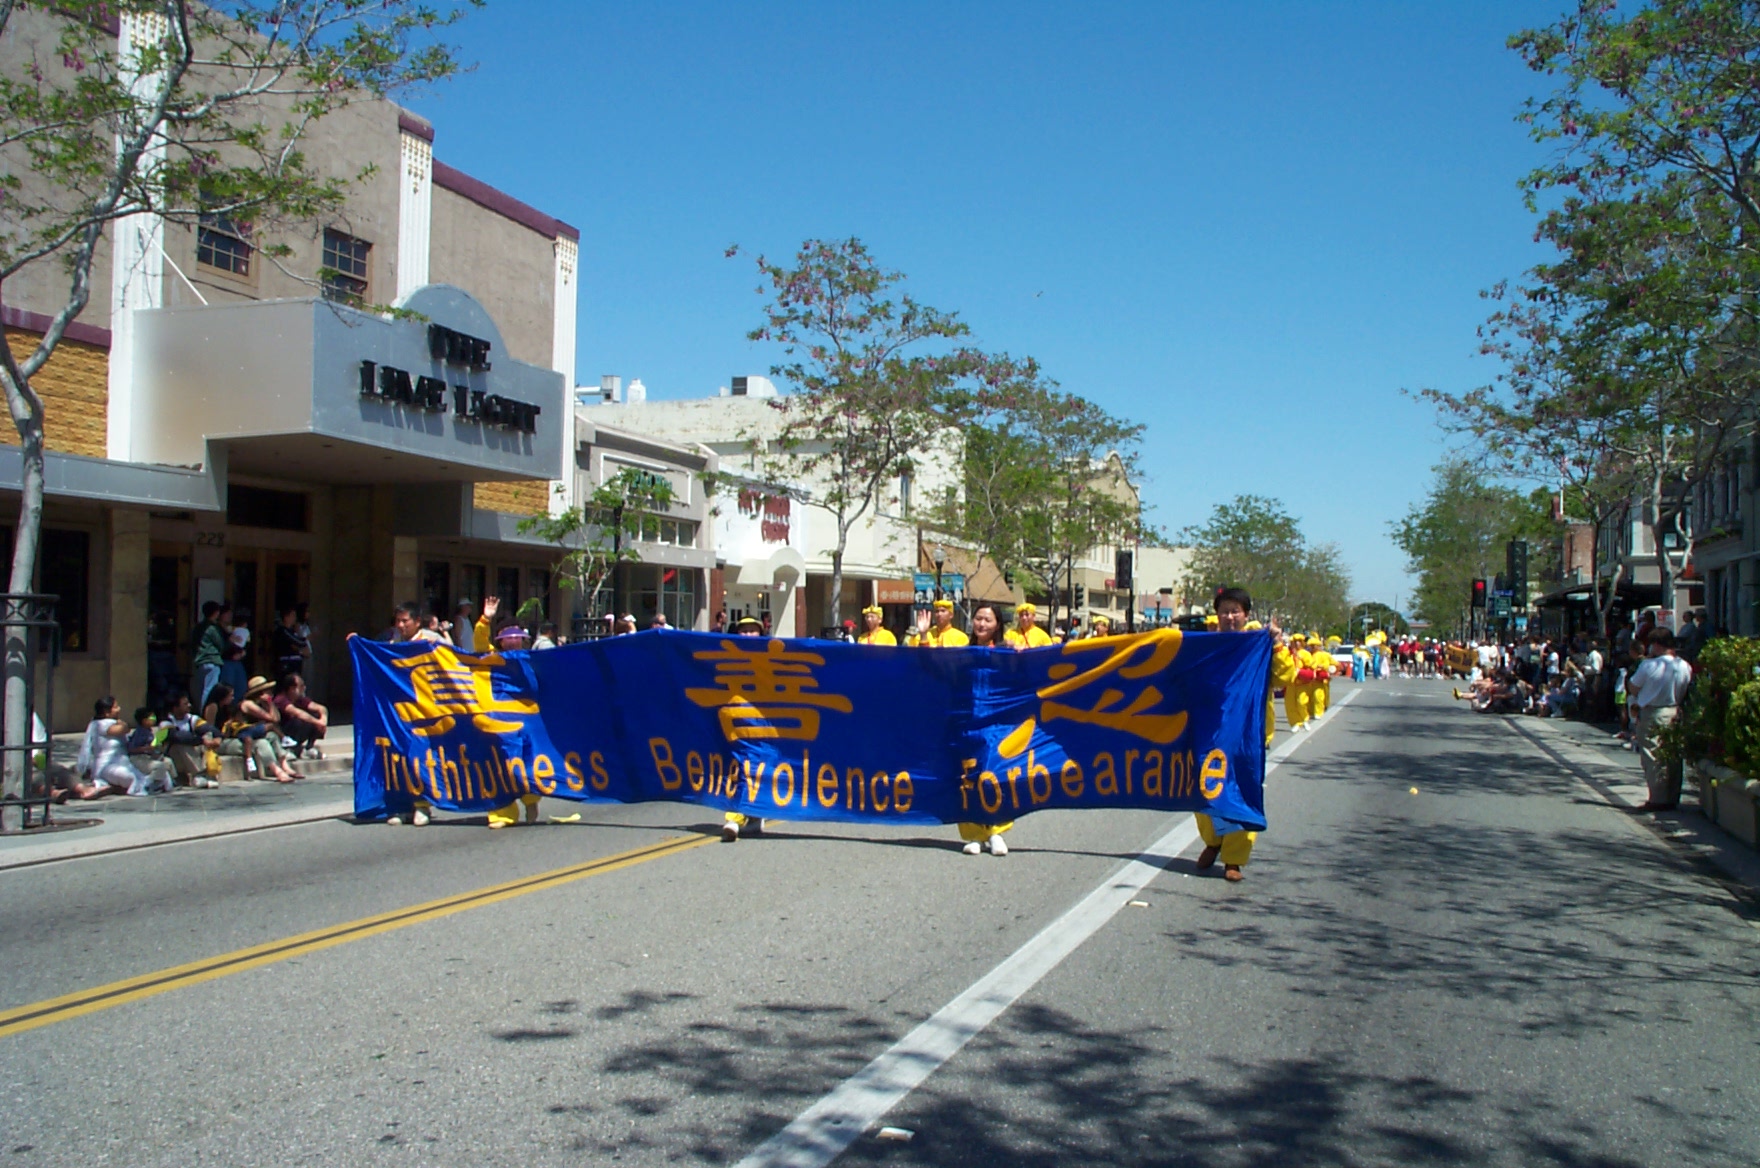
{"type": "Point", "coordinates": [1295, 703]}
{"type": "Point", "coordinates": [1237, 847]}
{"type": "Point", "coordinates": [1322, 696]}
{"type": "Point", "coordinates": [508, 814]}
{"type": "Point", "coordinates": [979, 832]}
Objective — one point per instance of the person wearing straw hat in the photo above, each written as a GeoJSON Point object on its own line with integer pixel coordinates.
{"type": "Point", "coordinates": [1026, 633]}
{"type": "Point", "coordinates": [937, 632]}
{"type": "Point", "coordinates": [733, 822]}
{"type": "Point", "coordinates": [872, 633]}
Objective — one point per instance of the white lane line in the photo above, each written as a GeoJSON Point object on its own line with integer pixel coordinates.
{"type": "Point", "coordinates": [821, 1133]}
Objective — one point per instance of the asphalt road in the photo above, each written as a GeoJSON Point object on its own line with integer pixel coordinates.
{"type": "Point", "coordinates": [1496, 969]}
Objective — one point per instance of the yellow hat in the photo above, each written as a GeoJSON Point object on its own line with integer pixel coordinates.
{"type": "Point", "coordinates": [1250, 625]}
{"type": "Point", "coordinates": [1210, 621]}
{"type": "Point", "coordinates": [1297, 638]}
{"type": "Point", "coordinates": [875, 609]}
{"type": "Point", "coordinates": [943, 603]}
{"type": "Point", "coordinates": [1100, 619]}
{"type": "Point", "coordinates": [1025, 606]}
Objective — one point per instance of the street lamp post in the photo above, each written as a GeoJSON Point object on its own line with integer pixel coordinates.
{"type": "Point", "coordinates": [940, 559]}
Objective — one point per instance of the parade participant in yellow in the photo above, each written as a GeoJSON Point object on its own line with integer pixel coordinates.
{"type": "Point", "coordinates": [1211, 623]}
{"type": "Point", "coordinates": [1324, 664]}
{"type": "Point", "coordinates": [510, 638]}
{"type": "Point", "coordinates": [872, 633]}
{"type": "Point", "coordinates": [1296, 695]}
{"type": "Point", "coordinates": [938, 632]}
{"type": "Point", "coordinates": [1026, 633]}
{"type": "Point", "coordinates": [1100, 626]}
{"type": "Point", "coordinates": [987, 633]}
{"type": "Point", "coordinates": [1233, 606]}
{"type": "Point", "coordinates": [733, 821]}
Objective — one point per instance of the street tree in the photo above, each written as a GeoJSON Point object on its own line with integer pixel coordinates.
{"type": "Point", "coordinates": [191, 110]}
{"type": "Point", "coordinates": [1553, 418]}
{"type": "Point", "coordinates": [875, 374]}
{"type": "Point", "coordinates": [1048, 476]}
{"type": "Point", "coordinates": [1459, 533]}
{"type": "Point", "coordinates": [1370, 615]}
{"type": "Point", "coordinates": [1652, 203]}
{"type": "Point", "coordinates": [601, 532]}
{"type": "Point", "coordinates": [1251, 542]}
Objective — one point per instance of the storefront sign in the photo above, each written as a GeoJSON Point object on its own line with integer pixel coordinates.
{"type": "Point", "coordinates": [894, 592]}
{"type": "Point", "coordinates": [428, 394]}
{"type": "Point", "coordinates": [772, 512]}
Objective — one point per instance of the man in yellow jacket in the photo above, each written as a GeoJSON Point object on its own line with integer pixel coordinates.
{"type": "Point", "coordinates": [1233, 607]}
{"type": "Point", "coordinates": [937, 631]}
{"type": "Point", "coordinates": [872, 633]}
{"type": "Point", "coordinates": [1297, 692]}
{"type": "Point", "coordinates": [1026, 633]}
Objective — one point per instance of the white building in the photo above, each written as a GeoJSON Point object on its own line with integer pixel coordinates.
{"type": "Point", "coordinates": [883, 545]}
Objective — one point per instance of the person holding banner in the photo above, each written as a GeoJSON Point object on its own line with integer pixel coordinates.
{"type": "Point", "coordinates": [1323, 667]}
{"type": "Point", "coordinates": [732, 821]}
{"type": "Point", "coordinates": [1026, 633]}
{"type": "Point", "coordinates": [1235, 847]}
{"type": "Point", "coordinates": [939, 633]}
{"type": "Point", "coordinates": [987, 633]}
{"type": "Point", "coordinates": [872, 633]}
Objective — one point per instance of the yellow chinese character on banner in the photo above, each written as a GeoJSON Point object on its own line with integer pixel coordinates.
{"type": "Point", "coordinates": [766, 691]}
{"type": "Point", "coordinates": [450, 685]}
{"type": "Point", "coordinates": [1127, 657]}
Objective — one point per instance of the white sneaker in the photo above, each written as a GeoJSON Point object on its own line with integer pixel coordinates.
{"type": "Point", "coordinates": [394, 821]}
{"type": "Point", "coordinates": [420, 818]}
{"type": "Point", "coordinates": [997, 846]}
{"type": "Point", "coordinates": [973, 848]}
{"type": "Point", "coordinates": [730, 832]}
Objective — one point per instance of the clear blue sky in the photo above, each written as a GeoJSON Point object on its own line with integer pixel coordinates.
{"type": "Point", "coordinates": [1248, 225]}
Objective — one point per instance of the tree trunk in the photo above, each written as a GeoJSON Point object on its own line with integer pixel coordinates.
{"type": "Point", "coordinates": [27, 412]}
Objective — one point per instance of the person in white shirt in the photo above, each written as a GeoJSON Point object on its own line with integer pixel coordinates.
{"type": "Point", "coordinates": [1657, 688]}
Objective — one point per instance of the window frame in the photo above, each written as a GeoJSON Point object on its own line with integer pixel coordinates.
{"type": "Point", "coordinates": [217, 227]}
{"type": "Point", "coordinates": [340, 282]}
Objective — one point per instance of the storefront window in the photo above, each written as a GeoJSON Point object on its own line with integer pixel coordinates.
{"type": "Point", "coordinates": [64, 571]}
{"type": "Point", "coordinates": [437, 587]}
{"type": "Point", "coordinates": [538, 588]}
{"type": "Point", "coordinates": [473, 584]}
{"type": "Point", "coordinates": [678, 597]}
{"type": "Point", "coordinates": [507, 588]}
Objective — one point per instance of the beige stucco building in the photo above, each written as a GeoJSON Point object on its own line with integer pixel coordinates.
{"type": "Point", "coordinates": [220, 425]}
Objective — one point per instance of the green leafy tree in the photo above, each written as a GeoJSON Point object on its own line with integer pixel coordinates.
{"type": "Point", "coordinates": [602, 531]}
{"type": "Point", "coordinates": [1371, 615]}
{"type": "Point", "coordinates": [1048, 476]}
{"type": "Point", "coordinates": [197, 109]}
{"type": "Point", "coordinates": [1459, 532]}
{"type": "Point", "coordinates": [875, 373]}
{"type": "Point", "coordinates": [1251, 542]}
{"type": "Point", "coordinates": [1651, 203]}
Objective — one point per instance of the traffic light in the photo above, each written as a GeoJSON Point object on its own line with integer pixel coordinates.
{"type": "Point", "coordinates": [1008, 577]}
{"type": "Point", "coordinates": [1081, 596]}
{"type": "Point", "coordinates": [1478, 593]}
{"type": "Point", "coordinates": [1516, 572]}
{"type": "Point", "coordinates": [1121, 571]}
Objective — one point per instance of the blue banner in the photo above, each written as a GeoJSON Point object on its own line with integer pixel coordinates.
{"type": "Point", "coordinates": [799, 729]}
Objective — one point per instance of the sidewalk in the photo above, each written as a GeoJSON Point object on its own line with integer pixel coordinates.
{"type": "Point", "coordinates": [1596, 757]}
{"type": "Point", "coordinates": [120, 823]}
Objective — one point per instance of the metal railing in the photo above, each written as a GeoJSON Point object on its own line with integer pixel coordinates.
{"type": "Point", "coordinates": [29, 634]}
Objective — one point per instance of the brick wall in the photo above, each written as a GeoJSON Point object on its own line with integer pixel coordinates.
{"type": "Point", "coordinates": [524, 497]}
{"type": "Point", "coordinates": [75, 388]}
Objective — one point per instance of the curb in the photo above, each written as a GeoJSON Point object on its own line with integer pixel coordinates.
{"type": "Point", "coordinates": [77, 846]}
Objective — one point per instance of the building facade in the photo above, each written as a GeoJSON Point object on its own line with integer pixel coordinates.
{"type": "Point", "coordinates": [220, 426]}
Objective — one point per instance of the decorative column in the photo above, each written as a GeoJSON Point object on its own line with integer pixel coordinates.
{"type": "Point", "coordinates": [415, 203]}
{"type": "Point", "coordinates": [562, 355]}
{"type": "Point", "coordinates": [137, 254]}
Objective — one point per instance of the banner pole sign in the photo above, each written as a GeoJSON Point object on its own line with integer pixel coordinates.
{"type": "Point", "coordinates": [820, 730]}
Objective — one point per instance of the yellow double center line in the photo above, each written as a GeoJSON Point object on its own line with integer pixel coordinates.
{"type": "Point", "coordinates": [146, 985]}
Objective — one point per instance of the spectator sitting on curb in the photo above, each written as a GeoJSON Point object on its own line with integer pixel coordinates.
{"type": "Point", "coordinates": [303, 721]}
{"type": "Point", "coordinates": [104, 763]}
{"type": "Point", "coordinates": [253, 722]}
{"type": "Point", "coordinates": [187, 740]}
